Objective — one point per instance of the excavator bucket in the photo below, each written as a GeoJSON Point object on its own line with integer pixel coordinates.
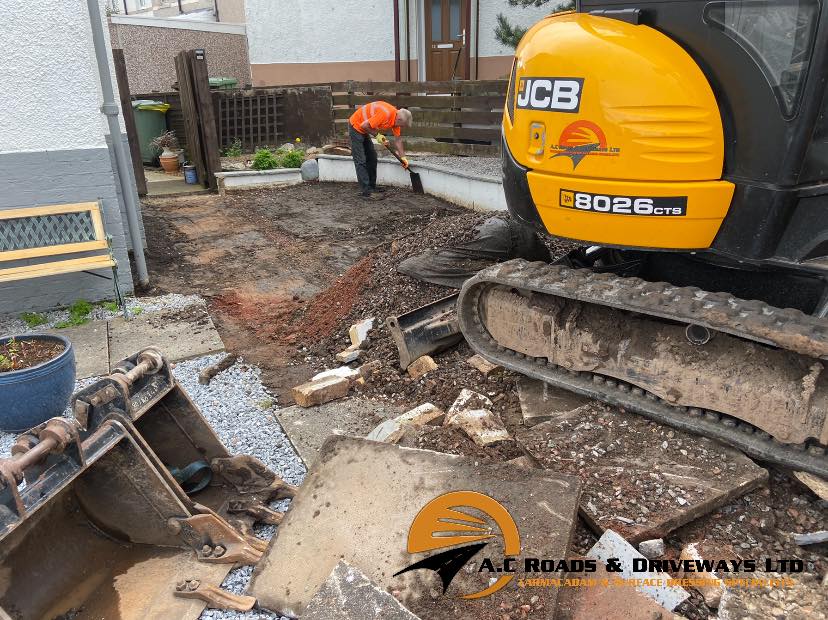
{"type": "Point", "coordinates": [105, 515]}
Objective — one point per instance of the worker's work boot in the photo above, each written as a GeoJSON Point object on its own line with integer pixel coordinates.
{"type": "Point", "coordinates": [379, 190]}
{"type": "Point", "coordinates": [369, 195]}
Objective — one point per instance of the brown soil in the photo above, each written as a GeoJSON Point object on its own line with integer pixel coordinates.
{"type": "Point", "coordinates": [19, 354]}
{"type": "Point", "coordinates": [281, 268]}
{"type": "Point", "coordinates": [287, 271]}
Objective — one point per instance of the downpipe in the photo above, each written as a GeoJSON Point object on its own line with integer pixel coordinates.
{"type": "Point", "coordinates": [110, 109]}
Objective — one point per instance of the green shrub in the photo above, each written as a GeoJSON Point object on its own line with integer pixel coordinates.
{"type": "Point", "coordinates": [265, 159]}
{"type": "Point", "coordinates": [293, 159]}
{"type": "Point", "coordinates": [235, 149]}
{"type": "Point", "coordinates": [112, 306]}
{"type": "Point", "coordinates": [33, 319]}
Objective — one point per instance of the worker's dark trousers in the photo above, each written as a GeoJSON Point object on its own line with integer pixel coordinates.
{"type": "Point", "coordinates": [365, 159]}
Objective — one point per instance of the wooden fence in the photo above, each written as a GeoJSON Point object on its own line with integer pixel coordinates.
{"type": "Point", "coordinates": [454, 117]}
{"type": "Point", "coordinates": [458, 117]}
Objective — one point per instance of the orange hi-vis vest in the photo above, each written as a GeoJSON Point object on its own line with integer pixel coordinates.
{"type": "Point", "coordinates": [379, 114]}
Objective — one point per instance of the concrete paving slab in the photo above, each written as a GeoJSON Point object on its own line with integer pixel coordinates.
{"type": "Point", "coordinates": [309, 427]}
{"type": "Point", "coordinates": [178, 340]}
{"type": "Point", "coordinates": [640, 478]}
{"type": "Point", "coordinates": [91, 344]}
{"type": "Point", "coordinates": [607, 601]}
{"type": "Point", "coordinates": [612, 546]}
{"type": "Point", "coordinates": [350, 595]}
{"type": "Point", "coordinates": [541, 402]}
{"type": "Point", "coordinates": [358, 503]}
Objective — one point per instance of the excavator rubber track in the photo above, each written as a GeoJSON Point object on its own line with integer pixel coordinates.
{"type": "Point", "coordinates": [504, 334]}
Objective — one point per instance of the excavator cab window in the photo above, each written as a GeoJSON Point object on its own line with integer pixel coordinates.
{"type": "Point", "coordinates": [778, 35]}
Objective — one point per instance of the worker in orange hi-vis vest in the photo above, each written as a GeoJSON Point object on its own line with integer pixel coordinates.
{"type": "Point", "coordinates": [368, 122]}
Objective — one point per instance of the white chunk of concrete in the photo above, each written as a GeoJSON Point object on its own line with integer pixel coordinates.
{"type": "Point", "coordinates": [359, 331]}
{"type": "Point", "coordinates": [612, 545]}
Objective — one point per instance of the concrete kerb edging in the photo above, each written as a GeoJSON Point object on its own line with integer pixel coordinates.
{"type": "Point", "coordinates": [468, 190]}
{"type": "Point", "coordinates": [250, 179]}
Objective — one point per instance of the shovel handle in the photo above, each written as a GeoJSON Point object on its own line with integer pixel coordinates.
{"type": "Point", "coordinates": [393, 152]}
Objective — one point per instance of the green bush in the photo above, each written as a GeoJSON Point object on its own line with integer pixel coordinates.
{"type": "Point", "coordinates": [112, 306]}
{"type": "Point", "coordinates": [235, 149]}
{"type": "Point", "coordinates": [265, 159]}
{"type": "Point", "coordinates": [33, 319]}
{"type": "Point", "coordinates": [293, 159]}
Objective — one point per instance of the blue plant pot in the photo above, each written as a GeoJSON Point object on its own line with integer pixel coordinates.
{"type": "Point", "coordinates": [31, 396]}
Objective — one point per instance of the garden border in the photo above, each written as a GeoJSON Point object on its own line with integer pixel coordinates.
{"type": "Point", "coordinates": [472, 191]}
{"type": "Point", "coordinates": [251, 179]}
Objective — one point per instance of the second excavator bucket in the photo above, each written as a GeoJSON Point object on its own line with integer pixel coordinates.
{"type": "Point", "coordinates": [95, 521]}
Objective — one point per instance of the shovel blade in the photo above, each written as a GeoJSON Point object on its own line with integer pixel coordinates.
{"type": "Point", "coordinates": [416, 183]}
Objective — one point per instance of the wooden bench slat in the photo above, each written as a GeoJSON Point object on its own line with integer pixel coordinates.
{"type": "Point", "coordinates": [53, 250]}
{"type": "Point", "coordinates": [52, 269]}
{"type": "Point", "coordinates": [76, 207]}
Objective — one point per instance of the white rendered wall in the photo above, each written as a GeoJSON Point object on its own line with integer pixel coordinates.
{"type": "Point", "coordinates": [51, 95]}
{"type": "Point", "coordinates": [287, 31]}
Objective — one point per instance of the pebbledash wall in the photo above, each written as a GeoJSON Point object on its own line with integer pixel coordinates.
{"type": "Point", "coordinates": [150, 45]}
{"type": "Point", "coordinates": [336, 40]}
{"type": "Point", "coordinates": [53, 138]}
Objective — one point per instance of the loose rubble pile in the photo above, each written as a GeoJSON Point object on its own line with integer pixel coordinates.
{"type": "Point", "coordinates": [648, 491]}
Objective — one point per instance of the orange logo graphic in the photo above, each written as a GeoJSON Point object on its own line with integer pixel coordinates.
{"type": "Point", "coordinates": [451, 520]}
{"type": "Point", "coordinates": [581, 139]}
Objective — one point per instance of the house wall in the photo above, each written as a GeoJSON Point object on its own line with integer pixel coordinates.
{"type": "Point", "coordinates": [53, 138]}
{"type": "Point", "coordinates": [290, 44]}
{"type": "Point", "coordinates": [150, 46]}
{"type": "Point", "coordinates": [231, 11]}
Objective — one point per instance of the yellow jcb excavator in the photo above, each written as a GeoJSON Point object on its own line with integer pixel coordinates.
{"type": "Point", "coordinates": [684, 145]}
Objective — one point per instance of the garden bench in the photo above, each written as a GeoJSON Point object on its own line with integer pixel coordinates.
{"type": "Point", "coordinates": [56, 233]}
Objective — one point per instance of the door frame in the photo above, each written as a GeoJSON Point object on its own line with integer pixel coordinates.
{"type": "Point", "coordinates": [422, 45]}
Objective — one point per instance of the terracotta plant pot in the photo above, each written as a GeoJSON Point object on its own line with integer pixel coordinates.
{"type": "Point", "coordinates": [170, 163]}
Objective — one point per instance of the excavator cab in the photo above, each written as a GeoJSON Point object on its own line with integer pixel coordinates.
{"type": "Point", "coordinates": [680, 125]}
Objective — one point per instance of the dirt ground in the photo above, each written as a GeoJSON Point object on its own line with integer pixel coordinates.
{"type": "Point", "coordinates": [286, 271]}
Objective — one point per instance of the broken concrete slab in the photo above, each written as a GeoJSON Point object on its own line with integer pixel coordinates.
{"type": "Point", "coordinates": [321, 391]}
{"type": "Point", "coordinates": [91, 345]}
{"type": "Point", "coordinates": [612, 545]}
{"type": "Point", "coordinates": [797, 597]}
{"type": "Point", "coordinates": [421, 366]}
{"type": "Point", "coordinates": [358, 333]}
{"type": "Point", "coordinates": [818, 485]}
{"type": "Point", "coordinates": [349, 595]}
{"type": "Point", "coordinates": [485, 367]}
{"type": "Point", "coordinates": [472, 412]}
{"type": "Point", "coordinates": [652, 548]}
{"type": "Point", "coordinates": [351, 354]}
{"type": "Point", "coordinates": [391, 431]}
{"type": "Point", "coordinates": [358, 503]}
{"type": "Point", "coordinates": [709, 585]}
{"type": "Point", "coordinates": [178, 340]}
{"type": "Point", "coordinates": [811, 538]}
{"type": "Point", "coordinates": [640, 478]}
{"type": "Point", "coordinates": [541, 402]}
{"type": "Point", "coordinates": [607, 601]}
{"type": "Point", "coordinates": [345, 372]}
{"type": "Point", "coordinates": [309, 428]}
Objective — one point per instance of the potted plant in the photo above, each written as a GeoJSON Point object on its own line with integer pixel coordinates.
{"type": "Point", "coordinates": [167, 143]}
{"type": "Point", "coordinates": [37, 378]}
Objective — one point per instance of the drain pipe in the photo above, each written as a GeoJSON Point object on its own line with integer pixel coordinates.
{"type": "Point", "coordinates": [110, 109]}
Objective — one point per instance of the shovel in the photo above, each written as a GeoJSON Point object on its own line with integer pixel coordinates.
{"type": "Point", "coordinates": [416, 181]}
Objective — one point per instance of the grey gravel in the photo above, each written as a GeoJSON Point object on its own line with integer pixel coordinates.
{"type": "Point", "coordinates": [13, 324]}
{"type": "Point", "coordinates": [242, 413]}
{"type": "Point", "coordinates": [484, 166]}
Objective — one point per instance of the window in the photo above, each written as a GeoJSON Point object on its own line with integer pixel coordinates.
{"type": "Point", "coordinates": [778, 35]}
